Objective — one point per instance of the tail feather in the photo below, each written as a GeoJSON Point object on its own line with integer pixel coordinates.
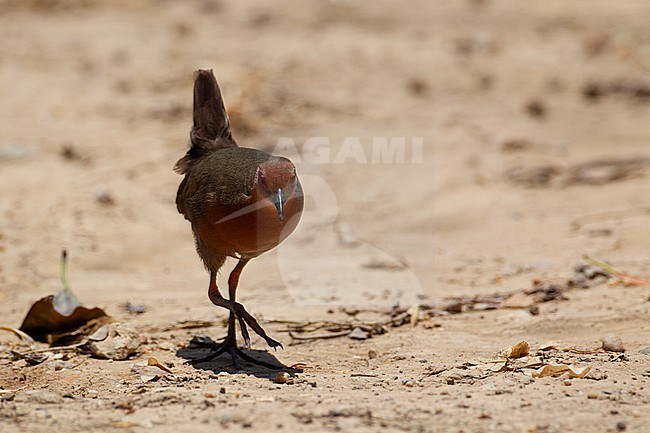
{"type": "Point", "coordinates": [211, 130]}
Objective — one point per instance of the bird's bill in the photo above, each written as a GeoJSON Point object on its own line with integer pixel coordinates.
{"type": "Point", "coordinates": [278, 201]}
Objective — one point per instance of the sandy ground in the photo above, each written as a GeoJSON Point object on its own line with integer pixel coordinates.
{"type": "Point", "coordinates": [535, 132]}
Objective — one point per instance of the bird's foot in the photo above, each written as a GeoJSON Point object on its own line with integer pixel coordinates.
{"type": "Point", "coordinates": [229, 345]}
{"type": "Point", "coordinates": [245, 318]}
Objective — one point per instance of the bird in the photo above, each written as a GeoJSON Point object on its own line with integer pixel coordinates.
{"type": "Point", "coordinates": [241, 202]}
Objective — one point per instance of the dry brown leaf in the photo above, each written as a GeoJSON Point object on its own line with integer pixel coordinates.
{"type": "Point", "coordinates": [557, 370]}
{"type": "Point", "coordinates": [59, 319]}
{"type": "Point", "coordinates": [499, 367]}
{"type": "Point", "coordinates": [47, 325]}
{"type": "Point", "coordinates": [549, 346]}
{"type": "Point", "coordinates": [579, 373]}
{"type": "Point", "coordinates": [629, 281]}
{"type": "Point", "coordinates": [20, 334]}
{"type": "Point", "coordinates": [624, 279]}
{"type": "Point", "coordinates": [520, 350]}
{"type": "Point", "coordinates": [153, 362]}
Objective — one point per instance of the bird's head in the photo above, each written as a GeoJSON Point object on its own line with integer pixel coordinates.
{"type": "Point", "coordinates": [276, 180]}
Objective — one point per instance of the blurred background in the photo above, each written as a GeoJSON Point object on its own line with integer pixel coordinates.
{"type": "Point", "coordinates": [534, 120]}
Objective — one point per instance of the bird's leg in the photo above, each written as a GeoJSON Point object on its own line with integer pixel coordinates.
{"type": "Point", "coordinates": [233, 282]}
{"type": "Point", "coordinates": [237, 310]}
{"type": "Point", "coordinates": [229, 344]}
{"type": "Point", "coordinates": [243, 315]}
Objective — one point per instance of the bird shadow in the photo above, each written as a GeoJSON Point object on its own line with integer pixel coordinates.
{"type": "Point", "coordinates": [199, 347]}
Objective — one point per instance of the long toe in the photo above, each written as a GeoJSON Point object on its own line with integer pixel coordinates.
{"type": "Point", "coordinates": [229, 346]}
{"type": "Point", "coordinates": [273, 343]}
{"type": "Point", "coordinates": [244, 332]}
{"type": "Point", "coordinates": [255, 326]}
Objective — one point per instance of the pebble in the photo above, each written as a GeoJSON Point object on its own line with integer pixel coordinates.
{"type": "Point", "coordinates": [613, 343]}
{"type": "Point", "coordinates": [104, 197]}
{"type": "Point", "coordinates": [372, 354]}
{"type": "Point", "coordinates": [121, 342]}
{"type": "Point", "coordinates": [7, 396]}
{"type": "Point", "coordinates": [645, 351]}
{"type": "Point", "coordinates": [282, 377]}
{"type": "Point", "coordinates": [620, 426]}
{"type": "Point", "coordinates": [358, 334]}
{"type": "Point", "coordinates": [135, 308]}
{"type": "Point", "coordinates": [147, 373]}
